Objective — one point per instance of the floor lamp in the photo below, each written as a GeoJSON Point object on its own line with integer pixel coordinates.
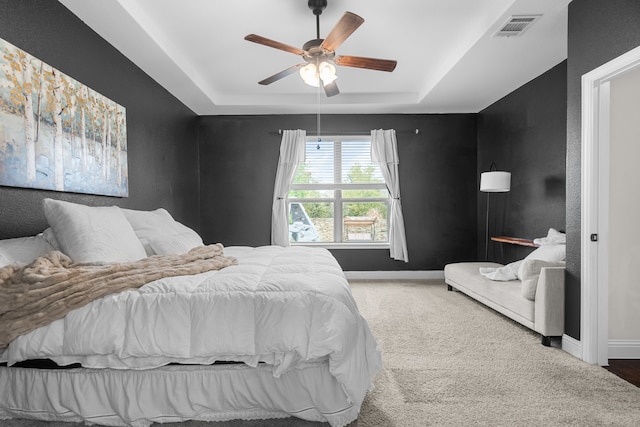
{"type": "Point", "coordinates": [493, 182]}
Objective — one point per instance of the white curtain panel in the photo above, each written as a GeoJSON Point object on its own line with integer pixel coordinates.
{"type": "Point", "coordinates": [292, 152]}
{"type": "Point", "coordinates": [384, 152]}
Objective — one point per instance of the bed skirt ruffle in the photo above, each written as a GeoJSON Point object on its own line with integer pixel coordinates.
{"type": "Point", "coordinates": [174, 393]}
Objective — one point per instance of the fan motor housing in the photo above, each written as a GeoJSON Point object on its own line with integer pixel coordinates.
{"type": "Point", "coordinates": [313, 49]}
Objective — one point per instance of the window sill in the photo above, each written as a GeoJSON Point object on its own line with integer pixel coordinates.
{"type": "Point", "coordinates": [360, 245]}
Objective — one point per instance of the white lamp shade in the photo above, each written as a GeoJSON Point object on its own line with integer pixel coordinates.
{"type": "Point", "coordinates": [327, 72]}
{"type": "Point", "coordinates": [495, 182]}
{"type": "Point", "coordinates": [310, 75]}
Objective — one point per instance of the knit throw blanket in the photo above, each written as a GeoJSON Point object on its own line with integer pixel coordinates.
{"type": "Point", "coordinates": [35, 295]}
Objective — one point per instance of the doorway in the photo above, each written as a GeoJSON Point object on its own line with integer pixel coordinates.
{"type": "Point", "coordinates": [596, 215]}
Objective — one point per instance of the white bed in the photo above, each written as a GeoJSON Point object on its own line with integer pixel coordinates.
{"type": "Point", "coordinates": [147, 354]}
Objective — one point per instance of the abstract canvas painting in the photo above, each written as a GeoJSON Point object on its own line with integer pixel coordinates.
{"type": "Point", "coordinates": [56, 133]}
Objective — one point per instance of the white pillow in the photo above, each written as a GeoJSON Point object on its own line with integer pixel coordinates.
{"type": "Point", "coordinates": [4, 261]}
{"type": "Point", "coordinates": [160, 234]}
{"type": "Point", "coordinates": [50, 237]}
{"type": "Point", "coordinates": [93, 234]}
{"type": "Point", "coordinates": [550, 253]}
{"type": "Point", "coordinates": [531, 269]}
{"type": "Point", "coordinates": [23, 250]}
{"type": "Point", "coordinates": [554, 237]}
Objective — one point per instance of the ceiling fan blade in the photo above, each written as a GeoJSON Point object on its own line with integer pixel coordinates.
{"type": "Point", "coordinates": [272, 43]}
{"type": "Point", "coordinates": [368, 63]}
{"type": "Point", "coordinates": [343, 29]}
{"type": "Point", "coordinates": [331, 89]}
{"type": "Point", "coordinates": [281, 74]}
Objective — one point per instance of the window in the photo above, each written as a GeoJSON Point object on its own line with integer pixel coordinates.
{"type": "Point", "coordinates": [338, 195]}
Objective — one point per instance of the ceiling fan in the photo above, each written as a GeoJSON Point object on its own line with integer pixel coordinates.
{"type": "Point", "coordinates": [320, 55]}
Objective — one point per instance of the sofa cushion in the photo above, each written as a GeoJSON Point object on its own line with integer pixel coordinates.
{"type": "Point", "coordinates": [530, 271]}
{"type": "Point", "coordinates": [504, 297]}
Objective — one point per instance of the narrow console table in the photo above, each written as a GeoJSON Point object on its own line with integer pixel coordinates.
{"type": "Point", "coordinates": [512, 241]}
{"type": "Point", "coordinates": [515, 241]}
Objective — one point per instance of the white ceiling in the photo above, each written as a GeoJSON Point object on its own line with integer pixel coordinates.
{"type": "Point", "coordinates": [448, 61]}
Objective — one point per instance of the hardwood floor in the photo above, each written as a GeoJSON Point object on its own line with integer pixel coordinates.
{"type": "Point", "coordinates": [627, 369]}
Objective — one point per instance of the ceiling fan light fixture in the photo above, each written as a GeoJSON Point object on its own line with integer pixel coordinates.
{"type": "Point", "coordinates": [327, 72]}
{"type": "Point", "coordinates": [312, 75]}
{"type": "Point", "coordinates": [309, 75]}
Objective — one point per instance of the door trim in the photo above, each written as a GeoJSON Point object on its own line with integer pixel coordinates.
{"type": "Point", "coordinates": [594, 259]}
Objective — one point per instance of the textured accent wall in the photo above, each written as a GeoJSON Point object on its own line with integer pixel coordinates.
{"type": "Point", "coordinates": [161, 131]}
{"type": "Point", "coordinates": [525, 133]}
{"type": "Point", "coordinates": [216, 173]}
{"type": "Point", "coordinates": [239, 156]}
{"type": "Point", "coordinates": [599, 31]}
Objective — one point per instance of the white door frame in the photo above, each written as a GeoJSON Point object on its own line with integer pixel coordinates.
{"type": "Point", "coordinates": [594, 264]}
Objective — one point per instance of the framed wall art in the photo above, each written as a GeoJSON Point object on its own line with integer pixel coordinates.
{"type": "Point", "coordinates": [56, 133]}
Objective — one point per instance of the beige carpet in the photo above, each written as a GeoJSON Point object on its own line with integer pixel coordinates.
{"type": "Point", "coordinates": [450, 361]}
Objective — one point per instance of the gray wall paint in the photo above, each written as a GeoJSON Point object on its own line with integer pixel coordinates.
{"type": "Point", "coordinates": [239, 157]}
{"type": "Point", "coordinates": [525, 133]}
{"type": "Point", "coordinates": [161, 131]}
{"type": "Point", "coordinates": [599, 31]}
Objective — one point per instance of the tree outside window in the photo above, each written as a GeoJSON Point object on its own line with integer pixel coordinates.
{"type": "Point", "coordinates": [338, 195]}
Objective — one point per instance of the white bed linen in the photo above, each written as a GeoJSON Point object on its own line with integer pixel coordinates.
{"type": "Point", "coordinates": [173, 394]}
{"type": "Point", "coordinates": [283, 306]}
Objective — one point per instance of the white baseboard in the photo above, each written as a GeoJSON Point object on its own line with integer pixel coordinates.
{"type": "Point", "coordinates": [395, 275]}
{"type": "Point", "coordinates": [572, 346]}
{"type": "Point", "coordinates": [624, 349]}
{"type": "Point", "coordinates": [618, 349]}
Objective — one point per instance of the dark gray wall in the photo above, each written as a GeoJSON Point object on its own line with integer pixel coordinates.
{"type": "Point", "coordinates": [525, 133]}
{"type": "Point", "coordinates": [439, 168]}
{"type": "Point", "coordinates": [161, 131]}
{"type": "Point", "coordinates": [599, 31]}
{"type": "Point", "coordinates": [239, 156]}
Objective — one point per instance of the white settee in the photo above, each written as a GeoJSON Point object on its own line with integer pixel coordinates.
{"type": "Point", "coordinates": [535, 299]}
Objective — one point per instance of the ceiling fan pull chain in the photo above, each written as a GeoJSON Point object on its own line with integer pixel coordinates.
{"type": "Point", "coordinates": [318, 117]}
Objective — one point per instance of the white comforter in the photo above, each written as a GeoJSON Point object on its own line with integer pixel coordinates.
{"type": "Point", "coordinates": [282, 306]}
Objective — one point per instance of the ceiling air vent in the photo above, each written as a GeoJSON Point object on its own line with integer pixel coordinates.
{"type": "Point", "coordinates": [516, 25]}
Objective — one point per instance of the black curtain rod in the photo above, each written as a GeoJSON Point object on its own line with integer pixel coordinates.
{"type": "Point", "coordinates": [350, 132]}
